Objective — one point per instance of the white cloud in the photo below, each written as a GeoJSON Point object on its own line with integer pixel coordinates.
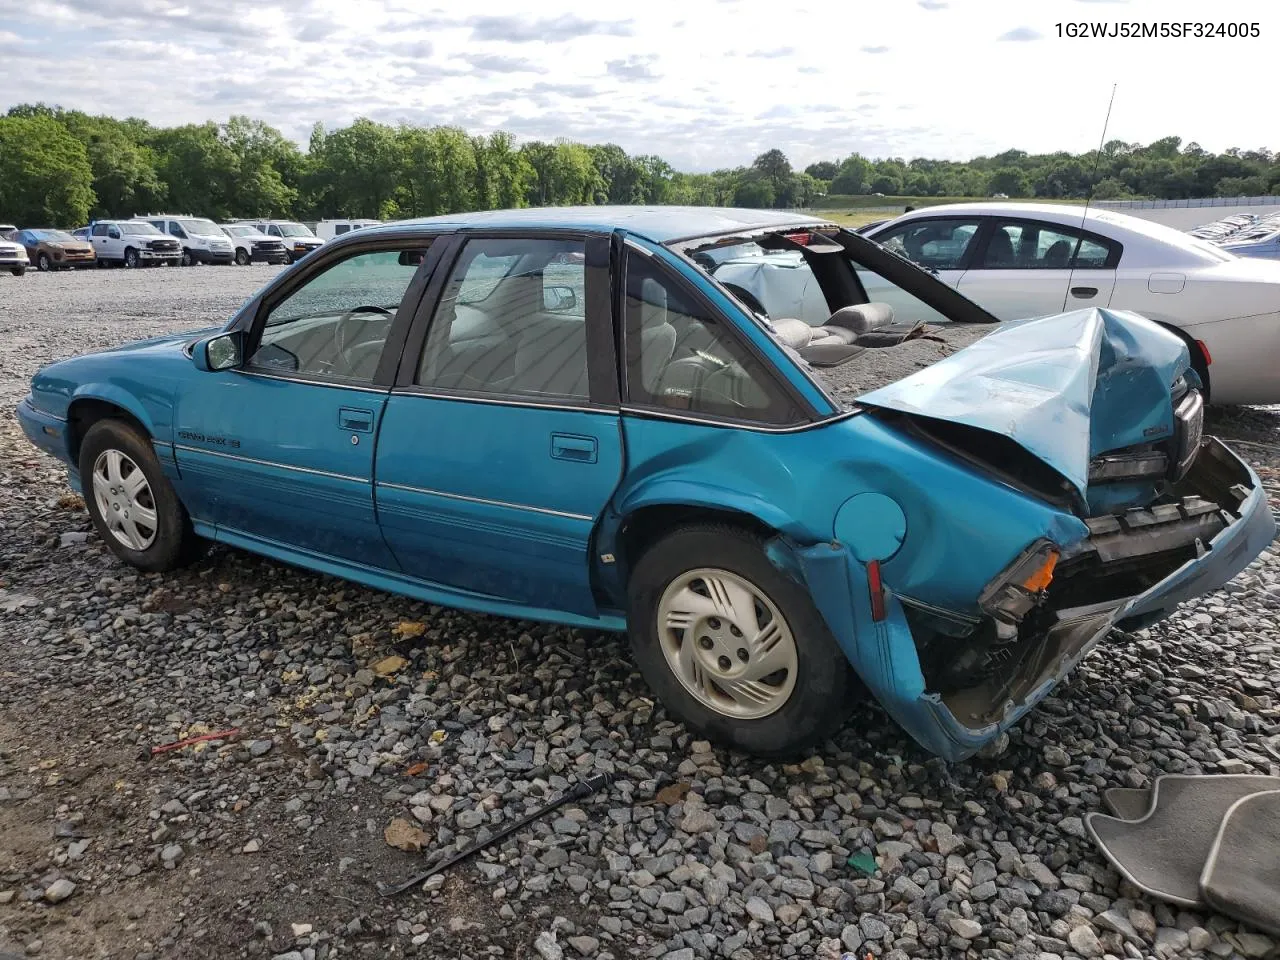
{"type": "Point", "coordinates": [734, 79]}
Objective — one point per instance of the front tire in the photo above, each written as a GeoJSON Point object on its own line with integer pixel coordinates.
{"type": "Point", "coordinates": [18, 271]}
{"type": "Point", "coordinates": [43, 263]}
{"type": "Point", "coordinates": [734, 647]}
{"type": "Point", "coordinates": [187, 259]}
{"type": "Point", "coordinates": [242, 257]}
{"type": "Point", "coordinates": [132, 504]}
{"type": "Point", "coordinates": [130, 257]}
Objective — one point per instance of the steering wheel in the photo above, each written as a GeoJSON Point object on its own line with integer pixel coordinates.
{"type": "Point", "coordinates": [340, 328]}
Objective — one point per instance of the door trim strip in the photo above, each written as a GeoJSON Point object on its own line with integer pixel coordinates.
{"type": "Point", "coordinates": [271, 463]}
{"type": "Point", "coordinates": [485, 501]}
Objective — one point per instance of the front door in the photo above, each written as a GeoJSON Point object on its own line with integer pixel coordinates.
{"type": "Point", "coordinates": [942, 245]}
{"type": "Point", "coordinates": [281, 450]}
{"type": "Point", "coordinates": [500, 445]}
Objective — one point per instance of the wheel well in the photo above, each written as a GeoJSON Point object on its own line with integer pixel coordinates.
{"type": "Point", "coordinates": [648, 525]}
{"type": "Point", "coordinates": [83, 414]}
{"type": "Point", "coordinates": [1197, 356]}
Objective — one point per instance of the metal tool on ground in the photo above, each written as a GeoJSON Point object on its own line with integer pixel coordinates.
{"type": "Point", "coordinates": [579, 791]}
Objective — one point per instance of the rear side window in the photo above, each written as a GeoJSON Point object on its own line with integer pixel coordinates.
{"type": "Point", "coordinates": [680, 357]}
{"type": "Point", "coordinates": [511, 321]}
{"type": "Point", "coordinates": [1033, 245]}
{"type": "Point", "coordinates": [340, 228]}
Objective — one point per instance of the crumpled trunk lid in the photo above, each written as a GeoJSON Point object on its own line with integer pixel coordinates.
{"type": "Point", "coordinates": [1065, 388]}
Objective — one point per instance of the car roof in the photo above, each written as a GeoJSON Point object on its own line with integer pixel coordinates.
{"type": "Point", "coordinates": [659, 224]}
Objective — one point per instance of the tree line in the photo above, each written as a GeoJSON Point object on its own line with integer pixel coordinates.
{"type": "Point", "coordinates": [64, 167]}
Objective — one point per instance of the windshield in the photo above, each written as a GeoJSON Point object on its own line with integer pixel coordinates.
{"type": "Point", "coordinates": [294, 230]}
{"type": "Point", "coordinates": [241, 231]}
{"type": "Point", "coordinates": [138, 229]}
{"type": "Point", "coordinates": [55, 236]}
{"type": "Point", "coordinates": [201, 228]}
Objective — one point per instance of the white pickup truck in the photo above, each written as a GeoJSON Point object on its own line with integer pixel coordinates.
{"type": "Point", "coordinates": [135, 243]}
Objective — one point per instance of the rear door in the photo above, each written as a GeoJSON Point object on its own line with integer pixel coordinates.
{"type": "Point", "coordinates": [500, 445]}
{"type": "Point", "coordinates": [1025, 269]}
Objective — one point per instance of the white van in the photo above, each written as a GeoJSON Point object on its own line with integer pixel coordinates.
{"type": "Point", "coordinates": [328, 229]}
{"type": "Point", "coordinates": [202, 240]}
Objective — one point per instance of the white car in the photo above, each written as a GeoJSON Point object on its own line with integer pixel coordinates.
{"type": "Point", "coordinates": [202, 240]}
{"type": "Point", "coordinates": [328, 229]}
{"type": "Point", "coordinates": [1022, 260]}
{"type": "Point", "coordinates": [254, 246]}
{"type": "Point", "coordinates": [134, 243]}
{"type": "Point", "coordinates": [13, 255]}
{"type": "Point", "coordinates": [298, 240]}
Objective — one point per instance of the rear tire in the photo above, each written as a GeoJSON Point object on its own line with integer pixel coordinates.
{"type": "Point", "coordinates": [133, 506]}
{"type": "Point", "coordinates": [708, 671]}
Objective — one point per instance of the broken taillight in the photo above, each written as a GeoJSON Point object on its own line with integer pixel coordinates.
{"type": "Point", "coordinates": [876, 587]}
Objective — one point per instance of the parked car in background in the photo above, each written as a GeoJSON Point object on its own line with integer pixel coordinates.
{"type": "Point", "coordinates": [13, 257]}
{"type": "Point", "coordinates": [133, 243]}
{"type": "Point", "coordinates": [254, 246]}
{"type": "Point", "coordinates": [81, 233]}
{"type": "Point", "coordinates": [7, 230]}
{"type": "Point", "coordinates": [298, 240]}
{"type": "Point", "coordinates": [203, 241]}
{"type": "Point", "coordinates": [1262, 241]}
{"type": "Point", "coordinates": [1024, 260]}
{"type": "Point", "coordinates": [328, 229]}
{"type": "Point", "coordinates": [55, 249]}
{"type": "Point", "coordinates": [556, 414]}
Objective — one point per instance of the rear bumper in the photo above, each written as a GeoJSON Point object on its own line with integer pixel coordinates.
{"type": "Point", "coordinates": [886, 656]}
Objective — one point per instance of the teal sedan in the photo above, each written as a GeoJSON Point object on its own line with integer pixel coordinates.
{"type": "Point", "coordinates": [563, 415]}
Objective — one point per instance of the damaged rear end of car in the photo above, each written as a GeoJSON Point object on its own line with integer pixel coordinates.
{"type": "Point", "coordinates": [1014, 490]}
{"type": "Point", "coordinates": [1097, 416]}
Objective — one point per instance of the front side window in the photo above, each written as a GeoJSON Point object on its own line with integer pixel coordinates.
{"type": "Point", "coordinates": [938, 244]}
{"type": "Point", "coordinates": [510, 321]}
{"type": "Point", "coordinates": [680, 357]}
{"type": "Point", "coordinates": [100, 229]}
{"type": "Point", "coordinates": [1031, 245]}
{"type": "Point", "coordinates": [175, 230]}
{"type": "Point", "coordinates": [336, 323]}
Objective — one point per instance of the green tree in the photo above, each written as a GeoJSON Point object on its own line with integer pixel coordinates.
{"type": "Point", "coordinates": [1009, 181]}
{"type": "Point", "coordinates": [45, 176]}
{"type": "Point", "coordinates": [852, 176]}
{"type": "Point", "coordinates": [823, 170]}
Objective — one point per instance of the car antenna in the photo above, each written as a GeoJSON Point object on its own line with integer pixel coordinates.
{"type": "Point", "coordinates": [1093, 184]}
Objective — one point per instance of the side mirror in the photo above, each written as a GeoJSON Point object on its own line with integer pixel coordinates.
{"type": "Point", "coordinates": [559, 298]}
{"type": "Point", "coordinates": [223, 352]}
{"type": "Point", "coordinates": [412, 258]}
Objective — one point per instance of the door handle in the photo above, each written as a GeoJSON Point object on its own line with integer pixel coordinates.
{"type": "Point", "coordinates": [566, 446]}
{"type": "Point", "coordinates": [354, 418]}
{"type": "Point", "coordinates": [1084, 293]}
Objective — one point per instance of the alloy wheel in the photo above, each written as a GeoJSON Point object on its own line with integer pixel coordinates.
{"type": "Point", "coordinates": [727, 643]}
{"type": "Point", "coordinates": [124, 499]}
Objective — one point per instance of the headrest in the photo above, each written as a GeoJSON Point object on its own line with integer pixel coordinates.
{"type": "Point", "coordinates": [653, 304]}
{"type": "Point", "coordinates": [862, 317]}
{"type": "Point", "coordinates": [794, 333]}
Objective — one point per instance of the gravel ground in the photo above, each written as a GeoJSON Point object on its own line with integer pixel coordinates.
{"type": "Point", "coordinates": [264, 844]}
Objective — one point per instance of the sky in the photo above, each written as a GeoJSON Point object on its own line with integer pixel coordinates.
{"type": "Point", "coordinates": [704, 84]}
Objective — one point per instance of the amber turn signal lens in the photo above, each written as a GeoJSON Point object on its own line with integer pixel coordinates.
{"type": "Point", "coordinates": [1044, 575]}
